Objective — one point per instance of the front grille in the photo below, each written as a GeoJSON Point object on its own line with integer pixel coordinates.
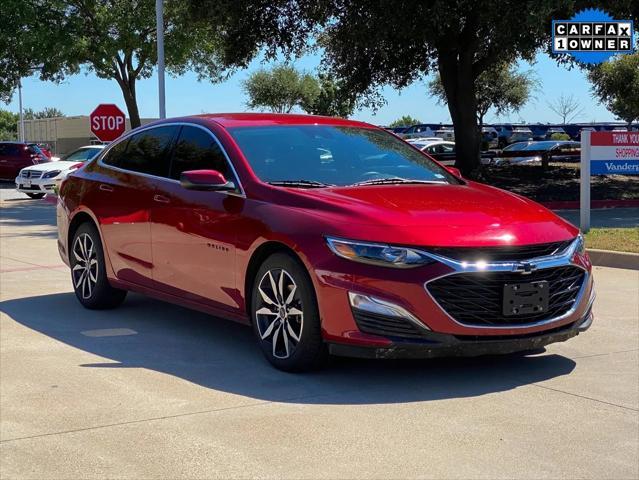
{"type": "Point", "coordinates": [31, 173]}
{"type": "Point", "coordinates": [476, 298]}
{"type": "Point", "coordinates": [500, 254]}
{"type": "Point", "coordinates": [385, 325]}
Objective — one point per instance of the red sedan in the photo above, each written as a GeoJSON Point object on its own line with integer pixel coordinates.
{"type": "Point", "coordinates": [326, 235]}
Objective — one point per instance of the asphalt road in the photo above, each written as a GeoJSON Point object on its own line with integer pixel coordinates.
{"type": "Point", "coordinates": [153, 390]}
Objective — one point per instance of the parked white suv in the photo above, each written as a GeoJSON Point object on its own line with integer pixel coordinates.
{"type": "Point", "coordinates": [38, 180]}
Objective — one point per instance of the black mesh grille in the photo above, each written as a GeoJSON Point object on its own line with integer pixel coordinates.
{"type": "Point", "coordinates": [384, 325]}
{"type": "Point", "coordinates": [501, 253]}
{"type": "Point", "coordinates": [476, 298]}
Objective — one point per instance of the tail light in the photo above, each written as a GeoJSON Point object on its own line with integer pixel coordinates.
{"type": "Point", "coordinates": [75, 166]}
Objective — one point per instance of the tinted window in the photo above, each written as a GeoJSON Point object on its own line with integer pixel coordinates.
{"type": "Point", "coordinates": [293, 153]}
{"type": "Point", "coordinates": [82, 155]}
{"type": "Point", "coordinates": [9, 149]}
{"type": "Point", "coordinates": [115, 155]}
{"type": "Point", "coordinates": [148, 152]}
{"type": "Point", "coordinates": [196, 149]}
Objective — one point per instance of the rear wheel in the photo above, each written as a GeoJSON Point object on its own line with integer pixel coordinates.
{"type": "Point", "coordinates": [36, 196]}
{"type": "Point", "coordinates": [88, 271]}
{"type": "Point", "coordinates": [285, 315]}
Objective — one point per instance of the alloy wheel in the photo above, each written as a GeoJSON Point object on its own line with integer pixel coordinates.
{"type": "Point", "coordinates": [85, 271]}
{"type": "Point", "coordinates": [279, 313]}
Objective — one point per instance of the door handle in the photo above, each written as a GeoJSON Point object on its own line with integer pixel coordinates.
{"type": "Point", "coordinates": [106, 188]}
{"type": "Point", "coordinates": [161, 199]}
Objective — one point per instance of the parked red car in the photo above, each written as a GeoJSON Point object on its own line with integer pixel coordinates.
{"type": "Point", "coordinates": [327, 235]}
{"type": "Point", "coordinates": [14, 156]}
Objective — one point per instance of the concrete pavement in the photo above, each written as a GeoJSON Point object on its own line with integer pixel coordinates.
{"type": "Point", "coordinates": [152, 390]}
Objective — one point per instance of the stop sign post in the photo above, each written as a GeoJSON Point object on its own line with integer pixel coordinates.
{"type": "Point", "coordinates": [107, 122]}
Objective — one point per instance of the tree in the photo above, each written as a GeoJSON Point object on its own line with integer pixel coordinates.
{"type": "Point", "coordinates": [567, 107]}
{"type": "Point", "coordinates": [47, 112]}
{"type": "Point", "coordinates": [333, 100]}
{"type": "Point", "coordinates": [8, 125]}
{"type": "Point", "coordinates": [616, 84]}
{"type": "Point", "coordinates": [115, 39]}
{"type": "Point", "coordinates": [405, 121]}
{"type": "Point", "coordinates": [370, 44]}
{"type": "Point", "coordinates": [280, 89]}
{"type": "Point", "coordinates": [501, 88]}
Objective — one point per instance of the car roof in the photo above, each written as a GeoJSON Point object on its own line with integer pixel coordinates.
{"type": "Point", "coordinates": [228, 120]}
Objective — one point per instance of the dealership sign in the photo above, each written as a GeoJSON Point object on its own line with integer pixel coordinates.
{"type": "Point", "coordinates": [614, 153]}
{"type": "Point", "coordinates": [592, 36]}
{"type": "Point", "coordinates": [605, 153]}
{"type": "Point", "coordinates": [107, 122]}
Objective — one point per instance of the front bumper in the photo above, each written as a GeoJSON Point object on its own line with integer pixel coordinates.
{"type": "Point", "coordinates": [443, 345]}
{"type": "Point", "coordinates": [39, 185]}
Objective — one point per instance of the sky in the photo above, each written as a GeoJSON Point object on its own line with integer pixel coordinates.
{"type": "Point", "coordinates": [185, 95]}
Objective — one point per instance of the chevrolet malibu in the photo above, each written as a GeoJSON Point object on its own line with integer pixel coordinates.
{"type": "Point", "coordinates": [327, 236]}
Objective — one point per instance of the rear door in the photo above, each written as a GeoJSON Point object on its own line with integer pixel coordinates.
{"type": "Point", "coordinates": [122, 200]}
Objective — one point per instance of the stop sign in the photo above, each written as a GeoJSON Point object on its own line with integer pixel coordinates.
{"type": "Point", "coordinates": [107, 122]}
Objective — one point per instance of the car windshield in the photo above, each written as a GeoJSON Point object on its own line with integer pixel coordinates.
{"type": "Point", "coordinates": [321, 155]}
{"type": "Point", "coordinates": [515, 147]}
{"type": "Point", "coordinates": [540, 146]}
{"type": "Point", "coordinates": [82, 155]}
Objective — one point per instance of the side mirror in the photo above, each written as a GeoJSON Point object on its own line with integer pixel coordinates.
{"type": "Point", "coordinates": [210, 180]}
{"type": "Point", "coordinates": [454, 171]}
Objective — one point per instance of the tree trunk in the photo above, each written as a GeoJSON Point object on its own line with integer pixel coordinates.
{"type": "Point", "coordinates": [128, 91]}
{"type": "Point", "coordinates": [458, 82]}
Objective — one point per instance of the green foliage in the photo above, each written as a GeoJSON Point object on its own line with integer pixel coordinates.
{"type": "Point", "coordinates": [405, 121]}
{"type": "Point", "coordinates": [560, 136]}
{"type": "Point", "coordinates": [281, 89]}
{"type": "Point", "coordinates": [501, 88]}
{"type": "Point", "coordinates": [616, 84]}
{"type": "Point", "coordinates": [8, 125]}
{"type": "Point", "coordinates": [47, 112]}
{"type": "Point", "coordinates": [333, 100]}
{"type": "Point", "coordinates": [115, 39]}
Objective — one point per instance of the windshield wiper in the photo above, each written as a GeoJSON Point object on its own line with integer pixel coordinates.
{"type": "Point", "coordinates": [300, 183]}
{"type": "Point", "coordinates": [393, 180]}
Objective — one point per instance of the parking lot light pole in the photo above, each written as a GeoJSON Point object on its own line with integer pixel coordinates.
{"type": "Point", "coordinates": [159, 18]}
{"type": "Point", "coordinates": [21, 112]}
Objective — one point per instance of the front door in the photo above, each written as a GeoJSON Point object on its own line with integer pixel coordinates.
{"type": "Point", "coordinates": [193, 232]}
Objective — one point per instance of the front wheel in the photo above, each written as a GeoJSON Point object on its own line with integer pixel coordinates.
{"type": "Point", "coordinates": [36, 196]}
{"type": "Point", "coordinates": [88, 271]}
{"type": "Point", "coordinates": [285, 315]}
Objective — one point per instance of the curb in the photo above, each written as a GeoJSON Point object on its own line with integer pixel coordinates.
{"type": "Point", "coordinates": [574, 204]}
{"type": "Point", "coordinates": [607, 258]}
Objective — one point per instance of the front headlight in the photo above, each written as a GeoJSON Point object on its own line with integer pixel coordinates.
{"type": "Point", "coordinates": [378, 253]}
{"type": "Point", "coordinates": [51, 174]}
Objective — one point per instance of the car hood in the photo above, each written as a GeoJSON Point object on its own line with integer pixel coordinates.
{"type": "Point", "coordinates": [48, 166]}
{"type": "Point", "coordinates": [437, 215]}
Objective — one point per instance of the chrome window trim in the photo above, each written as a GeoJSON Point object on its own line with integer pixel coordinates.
{"type": "Point", "coordinates": [135, 131]}
{"type": "Point", "coordinates": [550, 261]}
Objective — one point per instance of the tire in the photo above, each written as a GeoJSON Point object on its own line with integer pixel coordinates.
{"type": "Point", "coordinates": [91, 286]}
{"type": "Point", "coordinates": [294, 299]}
{"type": "Point", "coordinates": [36, 196]}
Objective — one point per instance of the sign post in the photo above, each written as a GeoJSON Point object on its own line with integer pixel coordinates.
{"type": "Point", "coordinates": [584, 193]}
{"type": "Point", "coordinates": [107, 122]}
{"type": "Point", "coordinates": [605, 153]}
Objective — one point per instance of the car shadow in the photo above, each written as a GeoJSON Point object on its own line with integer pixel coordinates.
{"type": "Point", "coordinates": [222, 355]}
{"type": "Point", "coordinates": [17, 212]}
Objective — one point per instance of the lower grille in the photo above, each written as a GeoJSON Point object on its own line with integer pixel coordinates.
{"type": "Point", "coordinates": [385, 326]}
{"type": "Point", "coordinates": [475, 299]}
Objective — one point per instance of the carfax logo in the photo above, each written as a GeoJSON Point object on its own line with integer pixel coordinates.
{"type": "Point", "coordinates": [592, 36]}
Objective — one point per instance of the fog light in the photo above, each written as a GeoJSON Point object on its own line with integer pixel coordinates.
{"type": "Point", "coordinates": [382, 307]}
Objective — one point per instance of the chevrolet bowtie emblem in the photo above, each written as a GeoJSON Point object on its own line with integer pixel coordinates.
{"type": "Point", "coordinates": [525, 268]}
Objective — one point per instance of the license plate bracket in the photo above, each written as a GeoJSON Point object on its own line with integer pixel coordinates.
{"type": "Point", "coordinates": [27, 183]}
{"type": "Point", "coordinates": [525, 298]}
